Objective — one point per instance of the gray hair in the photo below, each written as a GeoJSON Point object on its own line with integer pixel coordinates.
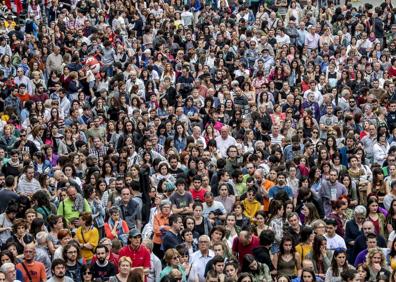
{"type": "Point", "coordinates": [360, 210]}
{"type": "Point", "coordinates": [41, 237]}
{"type": "Point", "coordinates": [6, 266]}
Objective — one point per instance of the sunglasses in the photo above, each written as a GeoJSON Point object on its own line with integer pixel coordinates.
{"type": "Point", "coordinates": [88, 273]}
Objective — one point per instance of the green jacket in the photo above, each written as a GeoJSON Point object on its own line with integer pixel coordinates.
{"type": "Point", "coordinates": [65, 209]}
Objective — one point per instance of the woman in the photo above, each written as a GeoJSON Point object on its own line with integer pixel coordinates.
{"type": "Point", "coordinates": [310, 213]}
{"type": "Point", "coordinates": [380, 149]}
{"type": "Point", "coordinates": [307, 238]}
{"type": "Point", "coordinates": [375, 216]}
{"type": "Point", "coordinates": [42, 205]}
{"type": "Point", "coordinates": [97, 209]}
{"type": "Point", "coordinates": [376, 263]}
{"type": "Point", "coordinates": [55, 224]}
{"type": "Point", "coordinates": [20, 235]}
{"type": "Point", "coordinates": [160, 223]}
{"type": "Point", "coordinates": [391, 217]}
{"type": "Point", "coordinates": [320, 256]}
{"type": "Point", "coordinates": [287, 261]}
{"type": "Point", "coordinates": [86, 273]}
{"type": "Point", "coordinates": [351, 188]}
{"type": "Point", "coordinates": [87, 236]}
{"type": "Point", "coordinates": [172, 259]}
{"type": "Point", "coordinates": [259, 271]}
{"type": "Point", "coordinates": [124, 266]}
{"type": "Point", "coordinates": [202, 224]}
{"type": "Point", "coordinates": [338, 265]}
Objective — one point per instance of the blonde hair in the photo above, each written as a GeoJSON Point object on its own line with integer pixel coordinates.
{"type": "Point", "coordinates": [373, 252]}
{"type": "Point", "coordinates": [169, 254]}
{"type": "Point", "coordinates": [125, 259]}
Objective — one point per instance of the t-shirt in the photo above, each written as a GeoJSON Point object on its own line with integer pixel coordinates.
{"type": "Point", "coordinates": [242, 250]}
{"type": "Point", "coordinates": [276, 189]}
{"type": "Point", "coordinates": [139, 257]}
{"type": "Point", "coordinates": [181, 201]}
{"type": "Point", "coordinates": [36, 270]}
{"type": "Point", "coordinates": [200, 195]}
{"type": "Point", "coordinates": [103, 271]}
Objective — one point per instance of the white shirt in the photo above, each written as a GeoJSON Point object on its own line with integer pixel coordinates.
{"type": "Point", "coordinates": [337, 242]}
{"type": "Point", "coordinates": [198, 265]}
{"type": "Point", "coordinates": [223, 144]}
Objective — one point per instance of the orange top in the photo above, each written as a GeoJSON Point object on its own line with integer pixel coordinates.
{"type": "Point", "coordinates": [36, 270]}
{"type": "Point", "coordinates": [266, 185]}
{"type": "Point", "coordinates": [25, 97]}
{"type": "Point", "coordinates": [159, 221]}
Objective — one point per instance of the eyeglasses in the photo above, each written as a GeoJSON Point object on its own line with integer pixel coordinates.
{"type": "Point", "coordinates": [203, 242]}
{"type": "Point", "coordinates": [176, 257]}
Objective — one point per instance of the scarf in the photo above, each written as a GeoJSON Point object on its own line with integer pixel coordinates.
{"type": "Point", "coordinates": [79, 203]}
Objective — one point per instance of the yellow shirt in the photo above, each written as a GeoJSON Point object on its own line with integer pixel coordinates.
{"type": "Point", "coordinates": [91, 236]}
{"type": "Point", "coordinates": [251, 208]}
{"type": "Point", "coordinates": [303, 250]}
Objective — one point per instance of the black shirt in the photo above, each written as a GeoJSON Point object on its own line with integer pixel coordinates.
{"type": "Point", "coordinates": [103, 271]}
{"type": "Point", "coordinates": [7, 196]}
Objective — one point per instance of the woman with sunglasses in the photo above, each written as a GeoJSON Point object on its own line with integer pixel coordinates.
{"type": "Point", "coordinates": [172, 259]}
{"type": "Point", "coordinates": [86, 274]}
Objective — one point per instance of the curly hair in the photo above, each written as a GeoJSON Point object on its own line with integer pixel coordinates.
{"type": "Point", "coordinates": [373, 252]}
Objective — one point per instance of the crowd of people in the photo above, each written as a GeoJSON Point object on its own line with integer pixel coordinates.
{"type": "Point", "coordinates": [197, 141]}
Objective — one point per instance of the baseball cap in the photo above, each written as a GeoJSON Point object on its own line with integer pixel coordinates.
{"type": "Point", "coordinates": [134, 233]}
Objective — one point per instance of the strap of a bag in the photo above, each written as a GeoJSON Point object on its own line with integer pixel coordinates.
{"type": "Point", "coordinates": [27, 271]}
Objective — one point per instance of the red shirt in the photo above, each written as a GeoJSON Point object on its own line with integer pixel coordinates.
{"type": "Point", "coordinates": [238, 247]}
{"type": "Point", "coordinates": [198, 194]}
{"type": "Point", "coordinates": [139, 257]}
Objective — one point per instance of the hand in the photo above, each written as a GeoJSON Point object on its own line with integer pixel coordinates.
{"type": "Point", "coordinates": [376, 267]}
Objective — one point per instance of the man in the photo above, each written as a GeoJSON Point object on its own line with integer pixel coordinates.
{"type": "Point", "coordinates": [371, 241]}
{"type": "Point", "coordinates": [224, 141]}
{"type": "Point", "coordinates": [210, 206]}
{"type": "Point", "coordinates": [327, 121]}
{"type": "Point", "coordinates": [293, 149]}
{"type": "Point", "coordinates": [70, 255]}
{"type": "Point", "coordinates": [156, 266]}
{"type": "Point", "coordinates": [388, 197]}
{"type": "Point", "coordinates": [294, 229]}
{"type": "Point", "coordinates": [368, 142]}
{"type": "Point", "coordinates": [12, 166]}
{"type": "Point", "coordinates": [25, 145]}
{"type": "Point", "coordinates": [227, 200]}
{"type": "Point", "coordinates": [32, 271]}
{"type": "Point", "coordinates": [197, 192]}
{"type": "Point", "coordinates": [280, 186]}
{"type": "Point", "coordinates": [111, 257]}
{"type": "Point", "coordinates": [27, 184]}
{"type": "Point", "coordinates": [99, 149]}
{"type": "Point", "coordinates": [58, 269]}
{"type": "Point", "coordinates": [334, 241]}
{"type": "Point", "coordinates": [73, 205]}
{"type": "Point", "coordinates": [361, 241]}
{"type": "Point", "coordinates": [199, 259]}
{"type": "Point", "coordinates": [244, 243]}
{"type": "Point", "coordinates": [130, 211]}
{"type": "Point", "coordinates": [331, 190]}
{"type": "Point", "coordinates": [8, 194]}
{"type": "Point", "coordinates": [54, 61]}
{"type": "Point", "coordinates": [172, 237]}
{"type": "Point", "coordinates": [102, 268]}
{"type": "Point", "coordinates": [182, 200]}
{"type": "Point", "coordinates": [138, 253]}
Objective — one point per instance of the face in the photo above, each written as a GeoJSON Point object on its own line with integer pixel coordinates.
{"type": "Point", "coordinates": [376, 258]}
{"type": "Point", "coordinates": [230, 271]}
{"type": "Point", "coordinates": [101, 254]}
{"type": "Point", "coordinates": [29, 253]}
{"type": "Point", "coordinates": [125, 267]}
{"type": "Point", "coordinates": [341, 258]}
{"type": "Point", "coordinates": [59, 271]}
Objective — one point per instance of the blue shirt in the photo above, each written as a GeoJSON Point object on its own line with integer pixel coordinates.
{"type": "Point", "coordinates": [276, 189]}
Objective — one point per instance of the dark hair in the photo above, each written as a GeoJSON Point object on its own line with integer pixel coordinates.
{"type": "Point", "coordinates": [317, 243]}
{"type": "Point", "coordinates": [348, 274]}
{"type": "Point", "coordinates": [334, 266]}
{"type": "Point", "coordinates": [57, 262]}
{"type": "Point", "coordinates": [305, 233]}
{"type": "Point", "coordinates": [36, 226]}
{"type": "Point", "coordinates": [173, 219]}
{"type": "Point", "coordinates": [287, 238]}
{"type": "Point", "coordinates": [267, 237]}
{"type": "Point", "coordinates": [310, 271]}
{"type": "Point", "coordinates": [85, 268]}
{"type": "Point", "coordinates": [247, 260]}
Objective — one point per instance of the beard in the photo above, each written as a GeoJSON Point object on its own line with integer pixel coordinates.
{"type": "Point", "coordinates": [101, 260]}
{"type": "Point", "coordinates": [60, 275]}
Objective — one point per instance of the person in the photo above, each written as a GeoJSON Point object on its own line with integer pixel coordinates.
{"type": "Point", "coordinates": [334, 241]}
{"type": "Point", "coordinates": [115, 227]}
{"type": "Point", "coordinates": [73, 205]}
{"type": "Point", "coordinates": [200, 258]}
{"type": "Point", "coordinates": [8, 194]}
{"type": "Point", "coordinates": [138, 253]}
{"type": "Point", "coordinates": [339, 264]}
{"type": "Point", "coordinates": [58, 268]}
{"type": "Point", "coordinates": [331, 190]}
{"type": "Point", "coordinates": [376, 264]}
{"type": "Point", "coordinates": [27, 184]}
{"type": "Point", "coordinates": [87, 236]}
{"type": "Point", "coordinates": [353, 229]}
{"type": "Point", "coordinates": [124, 266]}
{"type": "Point", "coordinates": [172, 238]}
{"type": "Point", "coordinates": [71, 255]}
{"type": "Point", "coordinates": [31, 269]}
{"type": "Point", "coordinates": [371, 241]}
{"type": "Point", "coordinates": [244, 243]}
{"type": "Point", "coordinates": [287, 261]}
{"type": "Point", "coordinates": [156, 265]}
{"type": "Point", "coordinates": [102, 268]}
{"type": "Point", "coordinates": [172, 259]}
{"type": "Point", "coordinates": [259, 271]}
